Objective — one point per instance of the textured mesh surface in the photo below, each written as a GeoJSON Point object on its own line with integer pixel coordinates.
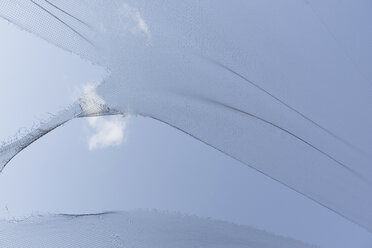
{"type": "Point", "coordinates": [48, 21]}
{"type": "Point", "coordinates": [157, 50]}
{"type": "Point", "coordinates": [135, 229]}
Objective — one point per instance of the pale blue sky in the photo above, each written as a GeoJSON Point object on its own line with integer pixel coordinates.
{"type": "Point", "coordinates": [155, 167]}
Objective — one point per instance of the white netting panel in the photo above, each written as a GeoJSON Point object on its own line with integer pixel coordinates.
{"type": "Point", "coordinates": [52, 23]}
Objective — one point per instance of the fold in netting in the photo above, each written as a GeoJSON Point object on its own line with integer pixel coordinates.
{"type": "Point", "coordinates": [46, 20]}
{"type": "Point", "coordinates": [196, 67]}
